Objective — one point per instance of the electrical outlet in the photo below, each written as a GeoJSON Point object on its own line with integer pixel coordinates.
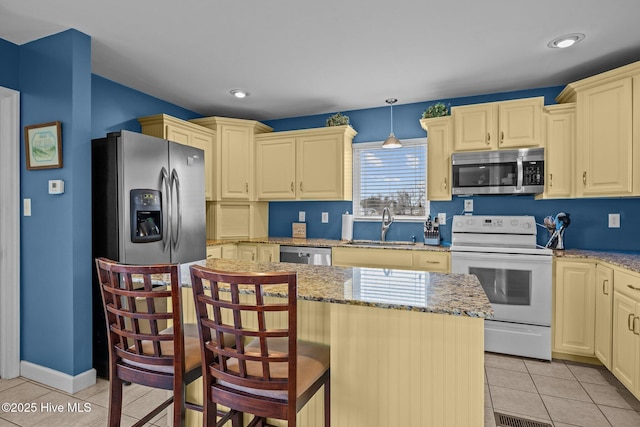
{"type": "Point", "coordinates": [301, 216]}
{"type": "Point", "coordinates": [614, 220]}
{"type": "Point", "coordinates": [325, 217]}
{"type": "Point", "coordinates": [468, 205]}
{"type": "Point", "coordinates": [442, 218]}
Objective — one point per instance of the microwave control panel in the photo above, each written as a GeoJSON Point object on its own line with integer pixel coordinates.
{"type": "Point", "coordinates": [533, 173]}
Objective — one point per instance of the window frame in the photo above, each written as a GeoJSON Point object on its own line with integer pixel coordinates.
{"type": "Point", "coordinates": [356, 149]}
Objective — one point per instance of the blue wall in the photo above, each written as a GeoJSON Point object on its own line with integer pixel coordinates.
{"type": "Point", "coordinates": [588, 229]}
{"type": "Point", "coordinates": [54, 77]}
{"type": "Point", "coordinates": [8, 61]}
{"type": "Point", "coordinates": [117, 107]}
{"type": "Point", "coordinates": [55, 241]}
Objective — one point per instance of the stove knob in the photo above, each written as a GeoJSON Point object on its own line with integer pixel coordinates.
{"type": "Point", "coordinates": [526, 225]}
{"type": "Point", "coordinates": [459, 224]}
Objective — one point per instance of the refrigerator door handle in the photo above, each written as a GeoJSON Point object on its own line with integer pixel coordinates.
{"type": "Point", "coordinates": [166, 221]}
{"type": "Point", "coordinates": [176, 181]}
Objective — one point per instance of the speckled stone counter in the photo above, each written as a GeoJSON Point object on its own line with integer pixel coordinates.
{"type": "Point", "coordinates": [452, 294]}
{"type": "Point", "coordinates": [628, 260]}
{"type": "Point", "coordinates": [330, 243]}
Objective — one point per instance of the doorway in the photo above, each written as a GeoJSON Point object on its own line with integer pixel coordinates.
{"type": "Point", "coordinates": [9, 233]}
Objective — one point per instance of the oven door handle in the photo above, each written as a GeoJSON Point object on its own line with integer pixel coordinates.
{"type": "Point", "coordinates": [520, 175]}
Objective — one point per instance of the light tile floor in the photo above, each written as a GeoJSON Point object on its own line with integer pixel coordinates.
{"type": "Point", "coordinates": [559, 393]}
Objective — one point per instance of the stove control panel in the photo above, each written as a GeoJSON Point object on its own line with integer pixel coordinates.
{"type": "Point", "coordinates": [494, 224]}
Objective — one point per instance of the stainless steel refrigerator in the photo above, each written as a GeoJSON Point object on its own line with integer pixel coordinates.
{"type": "Point", "coordinates": [148, 207]}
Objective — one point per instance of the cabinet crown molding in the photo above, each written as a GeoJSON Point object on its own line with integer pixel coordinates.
{"type": "Point", "coordinates": [214, 122]}
{"type": "Point", "coordinates": [345, 129]}
{"type": "Point", "coordinates": [569, 93]}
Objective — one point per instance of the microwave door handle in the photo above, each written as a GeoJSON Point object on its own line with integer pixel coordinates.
{"type": "Point", "coordinates": [520, 175]}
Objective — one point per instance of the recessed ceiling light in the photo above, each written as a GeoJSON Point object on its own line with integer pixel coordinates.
{"type": "Point", "coordinates": [239, 93]}
{"type": "Point", "coordinates": [566, 40]}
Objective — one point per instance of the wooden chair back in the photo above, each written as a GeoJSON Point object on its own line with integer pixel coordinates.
{"type": "Point", "coordinates": [136, 300]}
{"type": "Point", "coordinates": [258, 376]}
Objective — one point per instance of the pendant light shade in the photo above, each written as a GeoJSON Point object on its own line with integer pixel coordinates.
{"type": "Point", "coordinates": [391, 141]}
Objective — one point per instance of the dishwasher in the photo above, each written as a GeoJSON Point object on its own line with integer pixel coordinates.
{"type": "Point", "coordinates": [305, 255]}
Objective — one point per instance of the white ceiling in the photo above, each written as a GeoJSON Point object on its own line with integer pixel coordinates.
{"type": "Point", "coordinates": [300, 57]}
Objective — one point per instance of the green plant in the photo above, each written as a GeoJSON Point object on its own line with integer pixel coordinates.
{"type": "Point", "coordinates": [436, 110]}
{"type": "Point", "coordinates": [338, 119]}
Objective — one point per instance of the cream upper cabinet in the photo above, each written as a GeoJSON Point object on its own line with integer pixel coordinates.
{"type": "Point", "coordinates": [312, 164]}
{"type": "Point", "coordinates": [574, 307]}
{"type": "Point", "coordinates": [604, 305]}
{"type": "Point", "coordinates": [626, 330]}
{"type": "Point", "coordinates": [560, 120]}
{"type": "Point", "coordinates": [439, 144]}
{"type": "Point", "coordinates": [234, 156]}
{"type": "Point", "coordinates": [498, 125]}
{"type": "Point", "coordinates": [237, 220]}
{"type": "Point", "coordinates": [606, 132]}
{"type": "Point", "coordinates": [186, 133]}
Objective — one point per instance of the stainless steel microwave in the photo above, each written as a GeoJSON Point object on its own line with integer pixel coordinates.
{"type": "Point", "coordinates": [498, 172]}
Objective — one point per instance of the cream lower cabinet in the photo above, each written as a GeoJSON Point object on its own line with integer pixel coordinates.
{"type": "Point", "coordinates": [224, 251]}
{"type": "Point", "coordinates": [574, 307]}
{"type": "Point", "coordinates": [439, 145]}
{"type": "Point", "coordinates": [498, 125]}
{"type": "Point", "coordinates": [626, 330]}
{"type": "Point", "coordinates": [186, 133]}
{"type": "Point", "coordinates": [260, 252]}
{"type": "Point", "coordinates": [311, 164]}
{"type": "Point", "coordinates": [234, 156]}
{"type": "Point", "coordinates": [560, 121]}
{"type": "Point", "coordinates": [391, 258]}
{"type": "Point", "coordinates": [603, 319]}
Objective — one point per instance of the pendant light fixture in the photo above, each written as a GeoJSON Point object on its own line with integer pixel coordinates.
{"type": "Point", "coordinates": [391, 141]}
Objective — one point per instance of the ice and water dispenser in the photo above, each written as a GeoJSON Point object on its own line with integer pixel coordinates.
{"type": "Point", "coordinates": [146, 215]}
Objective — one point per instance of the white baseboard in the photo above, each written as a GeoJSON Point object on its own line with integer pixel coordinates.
{"type": "Point", "coordinates": [61, 381]}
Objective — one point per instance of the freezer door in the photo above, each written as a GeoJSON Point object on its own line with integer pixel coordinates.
{"type": "Point", "coordinates": [142, 161]}
{"type": "Point", "coordinates": [188, 228]}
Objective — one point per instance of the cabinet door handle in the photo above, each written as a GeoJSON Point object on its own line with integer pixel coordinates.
{"type": "Point", "coordinates": [246, 187]}
{"type": "Point", "coordinates": [501, 137]}
{"type": "Point", "coordinates": [629, 320]}
{"type": "Point", "coordinates": [633, 325]}
{"type": "Point", "coordinates": [550, 180]}
{"type": "Point", "coordinates": [488, 138]}
{"type": "Point", "coordinates": [301, 188]}
{"type": "Point", "coordinates": [432, 262]}
{"type": "Point", "coordinates": [292, 188]}
{"type": "Point", "coordinates": [584, 178]}
{"type": "Point", "coordinates": [633, 287]}
{"type": "Point", "coordinates": [445, 183]}
{"type": "Point", "coordinates": [604, 289]}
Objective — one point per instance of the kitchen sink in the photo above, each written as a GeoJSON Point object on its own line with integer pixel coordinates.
{"type": "Point", "coordinates": [381, 244]}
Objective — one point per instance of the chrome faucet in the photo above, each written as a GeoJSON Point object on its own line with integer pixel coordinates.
{"type": "Point", "coordinates": [386, 223]}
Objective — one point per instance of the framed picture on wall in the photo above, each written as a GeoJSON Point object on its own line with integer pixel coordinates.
{"type": "Point", "coordinates": [43, 146]}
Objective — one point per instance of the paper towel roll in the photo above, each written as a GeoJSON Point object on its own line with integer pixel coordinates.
{"type": "Point", "coordinates": [347, 227]}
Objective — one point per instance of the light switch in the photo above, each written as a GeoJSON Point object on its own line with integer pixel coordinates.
{"type": "Point", "coordinates": [301, 216]}
{"type": "Point", "coordinates": [26, 207]}
{"type": "Point", "coordinates": [325, 217]}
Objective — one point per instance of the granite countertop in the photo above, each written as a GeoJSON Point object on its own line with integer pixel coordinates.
{"type": "Point", "coordinates": [330, 243]}
{"type": "Point", "coordinates": [452, 294]}
{"type": "Point", "coordinates": [628, 260]}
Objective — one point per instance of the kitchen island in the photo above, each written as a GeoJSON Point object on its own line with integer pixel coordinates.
{"type": "Point", "coordinates": [407, 347]}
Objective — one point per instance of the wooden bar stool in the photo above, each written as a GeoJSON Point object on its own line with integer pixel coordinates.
{"type": "Point", "coordinates": [269, 373]}
{"type": "Point", "coordinates": [141, 349]}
